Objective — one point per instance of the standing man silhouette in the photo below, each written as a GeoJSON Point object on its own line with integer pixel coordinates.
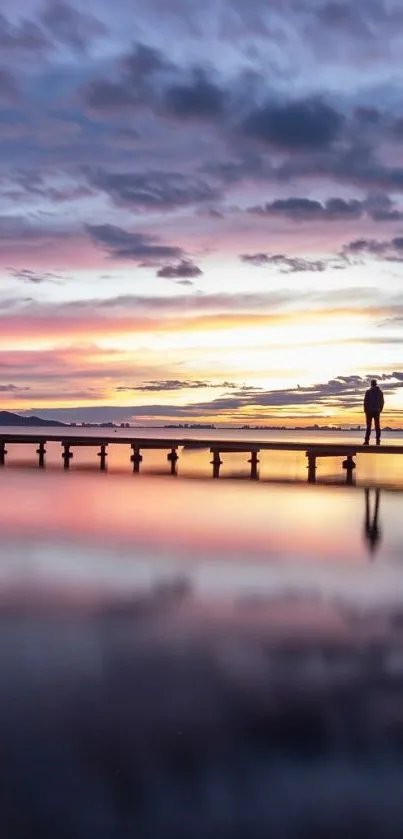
{"type": "Point", "coordinates": [373, 407]}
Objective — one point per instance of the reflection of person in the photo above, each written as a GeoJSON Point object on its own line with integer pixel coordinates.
{"type": "Point", "coordinates": [373, 407]}
{"type": "Point", "coordinates": [372, 532]}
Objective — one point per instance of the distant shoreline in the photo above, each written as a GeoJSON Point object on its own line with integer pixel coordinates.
{"type": "Point", "coordinates": [12, 420]}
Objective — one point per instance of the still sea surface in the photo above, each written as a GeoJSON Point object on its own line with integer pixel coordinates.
{"type": "Point", "coordinates": [183, 656]}
{"type": "Point", "coordinates": [116, 531]}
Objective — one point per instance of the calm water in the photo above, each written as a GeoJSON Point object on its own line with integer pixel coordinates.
{"type": "Point", "coordinates": [116, 532]}
{"type": "Point", "coordinates": [188, 657]}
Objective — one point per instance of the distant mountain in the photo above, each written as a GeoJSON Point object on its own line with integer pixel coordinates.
{"type": "Point", "coordinates": [8, 418]}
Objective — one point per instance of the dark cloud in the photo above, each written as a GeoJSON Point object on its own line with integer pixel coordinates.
{"type": "Point", "coordinates": [184, 270]}
{"type": "Point", "coordinates": [26, 275]}
{"type": "Point", "coordinates": [134, 82]}
{"type": "Point", "coordinates": [342, 392]}
{"type": "Point", "coordinates": [367, 115]}
{"type": "Point", "coordinates": [8, 85]}
{"type": "Point", "coordinates": [29, 235]}
{"type": "Point", "coordinates": [145, 61]}
{"type": "Point", "coordinates": [154, 190]}
{"type": "Point", "coordinates": [381, 208]}
{"type": "Point", "coordinates": [308, 124]}
{"type": "Point", "coordinates": [398, 127]}
{"type": "Point", "coordinates": [248, 165]}
{"type": "Point", "coordinates": [139, 247]}
{"type": "Point", "coordinates": [13, 389]}
{"type": "Point", "coordinates": [355, 163]}
{"type": "Point", "coordinates": [106, 95]}
{"type": "Point", "coordinates": [390, 251]}
{"type": "Point", "coordinates": [306, 209]}
{"type": "Point", "coordinates": [175, 384]}
{"type": "Point", "coordinates": [33, 184]}
{"type": "Point", "coordinates": [199, 98]}
{"type": "Point", "coordinates": [286, 264]}
{"type": "Point", "coordinates": [362, 19]}
{"type": "Point", "coordinates": [24, 37]}
{"type": "Point", "coordinates": [69, 26]}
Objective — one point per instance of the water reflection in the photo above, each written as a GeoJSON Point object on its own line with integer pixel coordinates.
{"type": "Point", "coordinates": [372, 531]}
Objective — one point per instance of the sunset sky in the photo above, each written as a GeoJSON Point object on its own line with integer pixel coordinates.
{"type": "Point", "coordinates": [201, 209]}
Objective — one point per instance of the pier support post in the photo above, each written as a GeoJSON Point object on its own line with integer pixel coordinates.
{"type": "Point", "coordinates": [66, 455]}
{"type": "Point", "coordinates": [216, 463]}
{"type": "Point", "coordinates": [41, 451]}
{"type": "Point", "coordinates": [254, 461]}
{"type": "Point", "coordinates": [311, 467]}
{"type": "Point", "coordinates": [102, 457]}
{"type": "Point", "coordinates": [173, 458]}
{"type": "Point", "coordinates": [136, 458]}
{"type": "Point", "coordinates": [349, 465]}
{"type": "Point", "coordinates": [3, 452]}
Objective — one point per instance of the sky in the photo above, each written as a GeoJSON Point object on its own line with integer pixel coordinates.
{"type": "Point", "coordinates": [201, 210]}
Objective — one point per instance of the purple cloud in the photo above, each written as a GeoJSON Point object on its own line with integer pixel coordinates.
{"type": "Point", "coordinates": [184, 270]}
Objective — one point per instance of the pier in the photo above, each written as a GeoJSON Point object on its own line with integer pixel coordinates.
{"type": "Point", "coordinates": [218, 449]}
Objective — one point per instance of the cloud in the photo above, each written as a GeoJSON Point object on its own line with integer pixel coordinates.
{"type": "Point", "coordinates": [134, 82]}
{"type": "Point", "coordinates": [198, 98]}
{"type": "Point", "coordinates": [184, 270]}
{"type": "Point", "coordinates": [20, 234]}
{"type": "Point", "coordinates": [379, 207]}
{"type": "Point", "coordinates": [361, 20]}
{"type": "Point", "coordinates": [342, 392]}
{"type": "Point", "coordinates": [153, 190]}
{"type": "Point", "coordinates": [390, 251]}
{"type": "Point", "coordinates": [26, 275]}
{"type": "Point", "coordinates": [13, 389]}
{"type": "Point", "coordinates": [175, 384]}
{"type": "Point", "coordinates": [353, 162]}
{"type": "Point", "coordinates": [68, 26]}
{"type": "Point", "coordinates": [110, 96]}
{"type": "Point", "coordinates": [8, 85]}
{"type": "Point", "coordinates": [22, 37]}
{"type": "Point", "coordinates": [307, 209]}
{"type": "Point", "coordinates": [335, 395]}
{"type": "Point", "coordinates": [87, 320]}
{"type": "Point", "coordinates": [307, 124]}
{"type": "Point", "coordinates": [139, 247]}
{"type": "Point", "coordinates": [145, 61]}
{"type": "Point", "coordinates": [286, 264]}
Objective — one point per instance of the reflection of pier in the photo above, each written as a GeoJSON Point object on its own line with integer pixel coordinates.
{"type": "Point", "coordinates": [371, 530]}
{"type": "Point", "coordinates": [218, 449]}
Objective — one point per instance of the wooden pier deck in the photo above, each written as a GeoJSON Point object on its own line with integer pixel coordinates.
{"type": "Point", "coordinates": [313, 451]}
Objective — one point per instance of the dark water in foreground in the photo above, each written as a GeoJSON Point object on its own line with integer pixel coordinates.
{"type": "Point", "coordinates": [183, 657]}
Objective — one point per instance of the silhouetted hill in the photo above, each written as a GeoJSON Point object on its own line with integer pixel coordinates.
{"type": "Point", "coordinates": [8, 418]}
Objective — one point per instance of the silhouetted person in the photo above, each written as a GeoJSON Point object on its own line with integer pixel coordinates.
{"type": "Point", "coordinates": [372, 532]}
{"type": "Point", "coordinates": [373, 407]}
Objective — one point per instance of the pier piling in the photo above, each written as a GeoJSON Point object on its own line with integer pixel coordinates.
{"type": "Point", "coordinates": [311, 467]}
{"type": "Point", "coordinates": [349, 465]}
{"type": "Point", "coordinates": [173, 458]}
{"type": "Point", "coordinates": [3, 452]}
{"type": "Point", "coordinates": [216, 463]}
{"type": "Point", "coordinates": [102, 457]}
{"type": "Point", "coordinates": [254, 462]}
{"type": "Point", "coordinates": [41, 451]}
{"type": "Point", "coordinates": [67, 455]}
{"type": "Point", "coordinates": [136, 458]}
